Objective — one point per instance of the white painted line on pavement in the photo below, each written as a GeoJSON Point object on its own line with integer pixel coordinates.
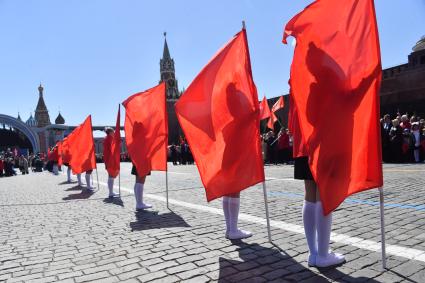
{"type": "Point", "coordinates": [360, 243]}
{"type": "Point", "coordinates": [282, 179]}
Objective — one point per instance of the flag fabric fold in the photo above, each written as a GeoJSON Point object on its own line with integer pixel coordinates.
{"type": "Point", "coordinates": [335, 81]}
{"type": "Point", "coordinates": [81, 148]}
{"type": "Point", "coordinates": [146, 129]}
{"type": "Point", "coordinates": [219, 114]}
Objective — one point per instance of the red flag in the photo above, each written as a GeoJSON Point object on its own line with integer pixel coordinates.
{"type": "Point", "coordinates": [146, 129]}
{"type": "Point", "coordinates": [66, 155]}
{"type": "Point", "coordinates": [219, 114]}
{"type": "Point", "coordinates": [336, 71]}
{"type": "Point", "coordinates": [264, 109]}
{"type": "Point", "coordinates": [298, 143]}
{"type": "Point", "coordinates": [112, 150]}
{"type": "Point", "coordinates": [60, 159]}
{"type": "Point", "coordinates": [81, 148]}
{"type": "Point", "coordinates": [272, 120]}
{"type": "Point", "coordinates": [54, 154]}
{"type": "Point", "coordinates": [280, 103]}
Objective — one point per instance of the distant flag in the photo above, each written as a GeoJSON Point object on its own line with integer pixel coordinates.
{"type": "Point", "coordinates": [280, 103]}
{"type": "Point", "coordinates": [264, 109]}
{"type": "Point", "coordinates": [113, 152]}
{"type": "Point", "coordinates": [272, 120]}
{"type": "Point", "coordinates": [219, 114]}
{"type": "Point", "coordinates": [59, 148]}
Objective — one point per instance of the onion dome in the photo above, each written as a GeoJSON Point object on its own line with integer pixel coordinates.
{"type": "Point", "coordinates": [31, 121]}
{"type": "Point", "coordinates": [59, 120]}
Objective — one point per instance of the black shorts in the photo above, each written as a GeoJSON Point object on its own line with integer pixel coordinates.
{"type": "Point", "coordinates": [134, 171]}
{"type": "Point", "coordinates": [302, 169]}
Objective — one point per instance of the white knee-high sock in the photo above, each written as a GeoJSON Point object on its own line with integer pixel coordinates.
{"type": "Point", "coordinates": [234, 204]}
{"type": "Point", "coordinates": [111, 185]}
{"type": "Point", "coordinates": [141, 186]}
{"type": "Point", "coordinates": [324, 224]}
{"type": "Point", "coordinates": [309, 220]}
{"type": "Point", "coordinates": [226, 212]}
{"type": "Point", "coordinates": [137, 194]}
{"type": "Point", "coordinates": [55, 169]}
{"type": "Point", "coordinates": [79, 179]}
{"type": "Point", "coordinates": [88, 180]}
{"type": "Point", "coordinates": [68, 173]}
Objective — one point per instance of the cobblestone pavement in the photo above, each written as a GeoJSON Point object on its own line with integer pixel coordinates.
{"type": "Point", "coordinates": [50, 231]}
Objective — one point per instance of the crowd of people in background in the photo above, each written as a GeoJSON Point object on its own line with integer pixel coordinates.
{"type": "Point", "coordinates": [180, 154]}
{"type": "Point", "coordinates": [13, 163]}
{"type": "Point", "coordinates": [403, 138]}
{"type": "Point", "coordinates": [277, 148]}
{"type": "Point", "coordinates": [403, 141]}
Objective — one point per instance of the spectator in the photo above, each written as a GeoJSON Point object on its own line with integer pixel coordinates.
{"type": "Point", "coordinates": [396, 141]}
{"type": "Point", "coordinates": [1, 166]}
{"type": "Point", "coordinates": [415, 139]}
{"type": "Point", "coordinates": [386, 126]}
{"type": "Point", "coordinates": [283, 146]}
{"type": "Point", "coordinates": [405, 124]}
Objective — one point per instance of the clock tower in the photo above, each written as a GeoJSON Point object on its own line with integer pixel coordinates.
{"type": "Point", "coordinates": [168, 73]}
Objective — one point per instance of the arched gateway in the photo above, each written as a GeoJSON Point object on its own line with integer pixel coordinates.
{"type": "Point", "coordinates": [23, 128]}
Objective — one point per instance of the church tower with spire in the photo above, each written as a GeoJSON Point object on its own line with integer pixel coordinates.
{"type": "Point", "coordinates": [168, 73]}
{"type": "Point", "coordinates": [41, 113]}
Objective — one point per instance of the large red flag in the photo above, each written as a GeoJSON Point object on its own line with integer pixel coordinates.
{"type": "Point", "coordinates": [219, 114]}
{"type": "Point", "coordinates": [81, 148]}
{"type": "Point", "coordinates": [335, 81]}
{"type": "Point", "coordinates": [264, 109]}
{"type": "Point", "coordinates": [112, 150]}
{"type": "Point", "coordinates": [279, 104]}
{"type": "Point", "coordinates": [146, 129]}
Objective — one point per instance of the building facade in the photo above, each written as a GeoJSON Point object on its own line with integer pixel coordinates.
{"type": "Point", "coordinates": [403, 86]}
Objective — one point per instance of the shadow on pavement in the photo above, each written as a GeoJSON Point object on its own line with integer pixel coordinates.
{"type": "Point", "coordinates": [152, 220]}
{"type": "Point", "coordinates": [116, 201]}
{"type": "Point", "coordinates": [82, 195]}
{"type": "Point", "coordinates": [75, 188]}
{"type": "Point", "coordinates": [259, 263]}
{"type": "Point", "coordinates": [67, 183]}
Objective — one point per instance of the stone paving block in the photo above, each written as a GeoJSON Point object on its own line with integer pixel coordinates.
{"type": "Point", "coordinates": [133, 273]}
{"type": "Point", "coordinates": [198, 279]}
{"type": "Point", "coordinates": [152, 276]}
{"type": "Point", "coordinates": [162, 266]}
{"type": "Point", "coordinates": [92, 276]}
{"type": "Point", "coordinates": [70, 275]}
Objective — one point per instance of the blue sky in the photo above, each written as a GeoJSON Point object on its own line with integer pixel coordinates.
{"type": "Point", "coordinates": [92, 54]}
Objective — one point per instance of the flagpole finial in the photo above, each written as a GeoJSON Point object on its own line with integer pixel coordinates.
{"type": "Point", "coordinates": [243, 25]}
